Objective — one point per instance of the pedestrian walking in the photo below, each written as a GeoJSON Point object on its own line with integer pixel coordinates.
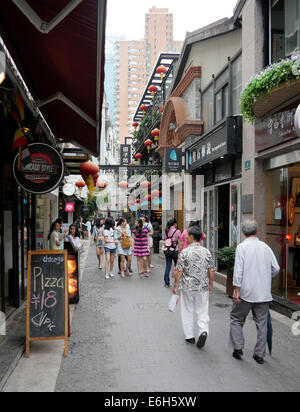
{"type": "Point", "coordinates": [98, 237]}
{"type": "Point", "coordinates": [171, 248]}
{"type": "Point", "coordinates": [183, 244]}
{"type": "Point", "coordinates": [148, 225]}
{"type": "Point", "coordinates": [194, 277]}
{"type": "Point", "coordinates": [110, 247]}
{"type": "Point", "coordinates": [255, 266]}
{"type": "Point", "coordinates": [124, 248]}
{"type": "Point", "coordinates": [141, 248]}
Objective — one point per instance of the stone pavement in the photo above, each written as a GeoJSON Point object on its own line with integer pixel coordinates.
{"type": "Point", "coordinates": [124, 339]}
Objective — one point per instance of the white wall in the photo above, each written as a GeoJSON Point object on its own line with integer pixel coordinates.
{"type": "Point", "coordinates": [212, 54]}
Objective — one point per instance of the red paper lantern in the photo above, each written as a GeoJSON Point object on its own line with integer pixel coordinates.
{"type": "Point", "coordinates": [148, 143]}
{"type": "Point", "coordinates": [101, 185]}
{"type": "Point", "coordinates": [135, 125]}
{"type": "Point", "coordinates": [162, 70]}
{"type": "Point", "coordinates": [145, 185]}
{"type": "Point", "coordinates": [139, 156]}
{"type": "Point", "coordinates": [123, 185]}
{"type": "Point", "coordinates": [89, 171]}
{"type": "Point", "coordinates": [138, 201]}
{"type": "Point", "coordinates": [80, 185]}
{"type": "Point", "coordinates": [156, 193]}
{"type": "Point", "coordinates": [144, 108]}
{"type": "Point", "coordinates": [155, 133]}
{"type": "Point", "coordinates": [153, 90]}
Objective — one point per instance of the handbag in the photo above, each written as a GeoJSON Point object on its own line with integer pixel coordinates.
{"type": "Point", "coordinates": [126, 242]}
{"type": "Point", "coordinates": [169, 248]}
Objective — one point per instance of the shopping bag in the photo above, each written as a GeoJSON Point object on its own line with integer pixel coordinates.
{"type": "Point", "coordinates": [173, 303]}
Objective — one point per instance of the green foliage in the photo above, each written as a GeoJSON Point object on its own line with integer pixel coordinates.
{"type": "Point", "coordinates": [92, 207]}
{"type": "Point", "coordinates": [262, 84]}
{"type": "Point", "coordinates": [146, 125]}
{"type": "Point", "coordinates": [227, 256]}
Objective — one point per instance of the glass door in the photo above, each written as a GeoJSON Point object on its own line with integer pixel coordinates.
{"type": "Point", "coordinates": [210, 224]}
{"type": "Point", "coordinates": [235, 213]}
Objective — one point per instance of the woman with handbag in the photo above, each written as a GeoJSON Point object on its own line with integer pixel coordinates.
{"type": "Point", "coordinates": [171, 237]}
{"type": "Point", "coordinates": [124, 246]}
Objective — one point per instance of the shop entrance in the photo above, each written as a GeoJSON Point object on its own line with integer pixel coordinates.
{"type": "Point", "coordinates": [283, 229]}
{"type": "Point", "coordinates": [222, 216]}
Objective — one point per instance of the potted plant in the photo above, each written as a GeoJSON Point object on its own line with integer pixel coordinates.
{"type": "Point", "coordinates": [226, 256]}
{"type": "Point", "coordinates": [278, 80]}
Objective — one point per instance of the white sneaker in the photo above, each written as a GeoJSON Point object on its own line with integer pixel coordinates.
{"type": "Point", "coordinates": [152, 266]}
{"type": "Point", "coordinates": [112, 275]}
{"type": "Point", "coordinates": [107, 277]}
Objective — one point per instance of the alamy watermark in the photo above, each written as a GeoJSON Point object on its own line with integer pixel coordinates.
{"type": "Point", "coordinates": [2, 324]}
{"type": "Point", "coordinates": [176, 192]}
{"type": "Point", "coordinates": [296, 324]}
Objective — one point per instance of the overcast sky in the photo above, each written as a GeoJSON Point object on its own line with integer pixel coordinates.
{"type": "Point", "coordinates": [127, 17]}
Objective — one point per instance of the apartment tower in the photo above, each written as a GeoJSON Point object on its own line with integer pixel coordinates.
{"type": "Point", "coordinates": [134, 61]}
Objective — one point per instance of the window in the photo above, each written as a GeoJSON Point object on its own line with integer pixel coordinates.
{"type": "Point", "coordinates": [222, 104]}
{"type": "Point", "coordinates": [285, 29]}
{"type": "Point", "coordinates": [292, 27]}
{"type": "Point", "coordinates": [208, 108]}
{"type": "Point", "coordinates": [236, 85]}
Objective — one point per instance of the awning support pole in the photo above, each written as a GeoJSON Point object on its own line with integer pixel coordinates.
{"type": "Point", "coordinates": [40, 24]}
{"type": "Point", "coordinates": [66, 101]}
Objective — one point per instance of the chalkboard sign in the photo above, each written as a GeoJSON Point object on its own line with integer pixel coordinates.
{"type": "Point", "coordinates": [47, 297]}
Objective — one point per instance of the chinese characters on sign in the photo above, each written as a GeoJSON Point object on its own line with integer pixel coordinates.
{"type": "Point", "coordinates": [125, 155]}
{"type": "Point", "coordinates": [276, 129]}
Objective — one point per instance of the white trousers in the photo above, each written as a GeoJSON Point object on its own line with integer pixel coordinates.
{"type": "Point", "coordinates": [194, 306]}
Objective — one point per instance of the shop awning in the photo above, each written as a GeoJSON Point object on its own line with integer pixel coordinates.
{"type": "Point", "coordinates": [58, 47]}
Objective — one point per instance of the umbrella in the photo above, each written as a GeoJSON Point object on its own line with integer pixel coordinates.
{"type": "Point", "coordinates": [270, 334]}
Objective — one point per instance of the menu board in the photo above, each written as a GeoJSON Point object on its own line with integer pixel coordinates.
{"type": "Point", "coordinates": [47, 297]}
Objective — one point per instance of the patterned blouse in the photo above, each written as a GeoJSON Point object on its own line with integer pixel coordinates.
{"type": "Point", "coordinates": [195, 261]}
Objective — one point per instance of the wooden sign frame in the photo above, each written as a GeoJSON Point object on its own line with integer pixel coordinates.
{"type": "Point", "coordinates": [67, 317]}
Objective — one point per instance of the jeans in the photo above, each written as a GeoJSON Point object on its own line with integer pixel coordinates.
{"type": "Point", "coordinates": [169, 261]}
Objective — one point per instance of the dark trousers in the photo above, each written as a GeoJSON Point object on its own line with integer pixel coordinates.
{"type": "Point", "coordinates": [238, 318]}
{"type": "Point", "coordinates": [169, 261]}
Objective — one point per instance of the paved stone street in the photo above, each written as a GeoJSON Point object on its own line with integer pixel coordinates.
{"type": "Point", "coordinates": [124, 339]}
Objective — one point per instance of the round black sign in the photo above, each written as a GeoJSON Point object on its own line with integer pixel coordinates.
{"type": "Point", "coordinates": [40, 170]}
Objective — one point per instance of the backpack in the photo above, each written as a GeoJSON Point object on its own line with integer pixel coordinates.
{"type": "Point", "coordinates": [169, 248]}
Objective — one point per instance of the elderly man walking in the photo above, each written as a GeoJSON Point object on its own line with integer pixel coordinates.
{"type": "Point", "coordinates": [255, 266]}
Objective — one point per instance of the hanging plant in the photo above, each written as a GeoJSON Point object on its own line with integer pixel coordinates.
{"type": "Point", "coordinates": [261, 85]}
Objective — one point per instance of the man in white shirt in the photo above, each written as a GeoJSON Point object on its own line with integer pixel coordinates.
{"type": "Point", "coordinates": [255, 267]}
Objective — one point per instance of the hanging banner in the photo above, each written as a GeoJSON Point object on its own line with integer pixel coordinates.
{"type": "Point", "coordinates": [43, 173]}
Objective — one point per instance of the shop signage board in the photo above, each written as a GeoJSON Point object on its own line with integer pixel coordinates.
{"type": "Point", "coordinates": [125, 154]}
{"type": "Point", "coordinates": [276, 129]}
{"type": "Point", "coordinates": [45, 171]}
{"type": "Point", "coordinates": [69, 189]}
{"type": "Point", "coordinates": [173, 160]}
{"type": "Point", "coordinates": [47, 298]}
{"type": "Point", "coordinates": [214, 146]}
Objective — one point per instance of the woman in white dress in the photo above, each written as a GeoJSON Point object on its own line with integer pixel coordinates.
{"type": "Point", "coordinates": [124, 248]}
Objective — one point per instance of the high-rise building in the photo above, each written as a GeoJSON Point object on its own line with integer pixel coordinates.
{"type": "Point", "coordinates": [134, 61]}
